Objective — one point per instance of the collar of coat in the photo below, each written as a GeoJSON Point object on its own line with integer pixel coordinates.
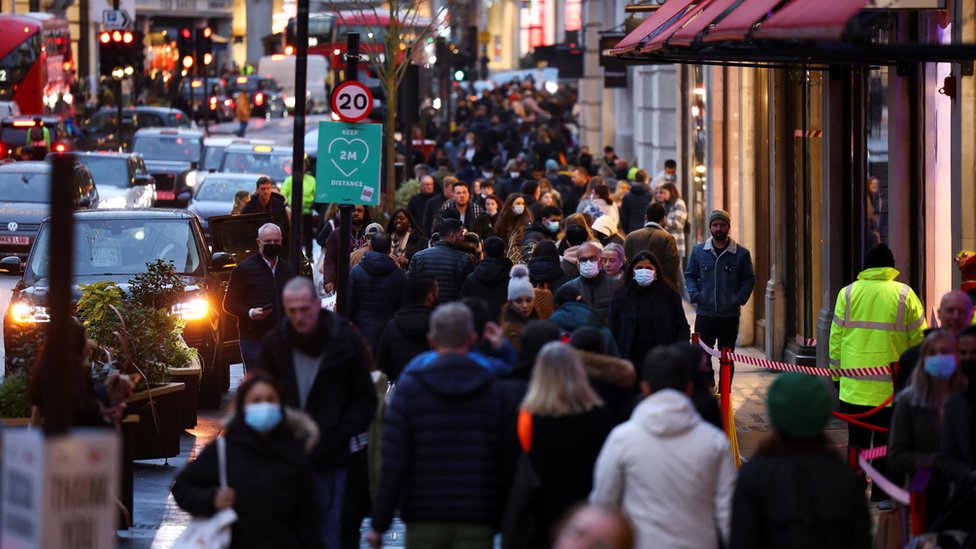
{"type": "Point", "coordinates": [654, 225]}
{"type": "Point", "coordinates": [731, 248]}
{"type": "Point", "coordinates": [878, 273]}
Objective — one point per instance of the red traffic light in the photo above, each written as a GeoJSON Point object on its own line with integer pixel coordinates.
{"type": "Point", "coordinates": [207, 32]}
{"type": "Point", "coordinates": [105, 38]}
{"type": "Point", "coordinates": [116, 36]}
{"type": "Point", "coordinates": [127, 37]}
{"type": "Point", "coordinates": [185, 33]}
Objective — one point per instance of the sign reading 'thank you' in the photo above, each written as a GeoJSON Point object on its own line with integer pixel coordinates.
{"type": "Point", "coordinates": [348, 167]}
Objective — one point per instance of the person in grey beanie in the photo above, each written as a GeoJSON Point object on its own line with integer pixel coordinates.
{"type": "Point", "coordinates": [720, 279]}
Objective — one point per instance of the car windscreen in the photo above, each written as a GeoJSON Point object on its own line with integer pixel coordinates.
{"type": "Point", "coordinates": [25, 187]}
{"type": "Point", "coordinates": [107, 171]}
{"type": "Point", "coordinates": [217, 189]}
{"type": "Point", "coordinates": [179, 120]}
{"type": "Point", "coordinates": [120, 247]}
{"type": "Point", "coordinates": [168, 147]}
{"type": "Point", "coordinates": [212, 155]}
{"type": "Point", "coordinates": [14, 136]}
{"type": "Point", "coordinates": [276, 165]}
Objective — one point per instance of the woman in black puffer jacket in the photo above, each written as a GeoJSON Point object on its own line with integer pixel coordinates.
{"type": "Point", "coordinates": [270, 481]}
{"type": "Point", "coordinates": [544, 268]}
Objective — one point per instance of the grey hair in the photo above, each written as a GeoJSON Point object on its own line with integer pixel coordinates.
{"type": "Point", "coordinates": [300, 284]}
{"type": "Point", "coordinates": [616, 248]}
{"type": "Point", "coordinates": [267, 227]}
{"type": "Point", "coordinates": [451, 325]}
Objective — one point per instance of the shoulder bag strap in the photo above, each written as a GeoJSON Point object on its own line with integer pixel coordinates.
{"type": "Point", "coordinates": [525, 430]}
{"type": "Point", "coordinates": [222, 460]}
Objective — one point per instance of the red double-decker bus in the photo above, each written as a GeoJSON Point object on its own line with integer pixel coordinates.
{"type": "Point", "coordinates": [36, 65]}
{"type": "Point", "coordinates": [327, 32]}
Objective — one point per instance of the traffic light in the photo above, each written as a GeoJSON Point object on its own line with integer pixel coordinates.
{"type": "Point", "coordinates": [120, 53]}
{"type": "Point", "coordinates": [184, 46]}
{"type": "Point", "coordinates": [204, 43]}
{"type": "Point", "coordinates": [459, 75]}
{"type": "Point", "coordinates": [135, 52]}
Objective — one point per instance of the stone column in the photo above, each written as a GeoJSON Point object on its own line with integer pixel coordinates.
{"type": "Point", "coordinates": [775, 290]}
{"type": "Point", "coordinates": [655, 115]}
{"type": "Point", "coordinates": [591, 85]}
{"type": "Point", "coordinates": [259, 13]}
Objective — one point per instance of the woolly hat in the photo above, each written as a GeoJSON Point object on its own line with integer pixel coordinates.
{"type": "Point", "coordinates": [799, 406]}
{"type": "Point", "coordinates": [719, 214]}
{"type": "Point", "coordinates": [518, 283]}
{"type": "Point", "coordinates": [604, 225]}
{"type": "Point", "coordinates": [632, 173]}
{"type": "Point", "coordinates": [551, 165]}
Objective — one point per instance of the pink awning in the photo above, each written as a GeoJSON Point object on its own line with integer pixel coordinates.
{"type": "Point", "coordinates": [739, 23]}
{"type": "Point", "coordinates": [810, 20]}
{"type": "Point", "coordinates": [690, 15]}
{"type": "Point", "coordinates": [650, 27]}
{"type": "Point", "coordinates": [686, 35]}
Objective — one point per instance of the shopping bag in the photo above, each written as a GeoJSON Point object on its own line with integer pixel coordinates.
{"type": "Point", "coordinates": [211, 532]}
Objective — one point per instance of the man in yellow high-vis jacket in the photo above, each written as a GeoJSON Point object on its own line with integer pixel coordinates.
{"type": "Point", "coordinates": [875, 320]}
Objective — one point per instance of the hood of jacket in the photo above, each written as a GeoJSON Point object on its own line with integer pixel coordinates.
{"type": "Point", "coordinates": [453, 376]}
{"type": "Point", "coordinates": [493, 271]}
{"type": "Point", "coordinates": [412, 321]}
{"type": "Point", "coordinates": [618, 372]}
{"type": "Point", "coordinates": [545, 269]}
{"type": "Point", "coordinates": [570, 255]}
{"type": "Point", "coordinates": [378, 264]}
{"type": "Point", "coordinates": [879, 273]}
{"type": "Point", "coordinates": [666, 413]}
{"type": "Point", "coordinates": [574, 314]}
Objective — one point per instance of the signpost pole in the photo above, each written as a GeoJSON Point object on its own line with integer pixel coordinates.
{"type": "Point", "coordinates": [298, 137]}
{"type": "Point", "coordinates": [345, 212]}
{"type": "Point", "coordinates": [118, 98]}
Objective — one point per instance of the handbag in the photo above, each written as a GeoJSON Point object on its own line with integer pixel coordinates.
{"type": "Point", "coordinates": [518, 520]}
{"type": "Point", "coordinates": [212, 532]}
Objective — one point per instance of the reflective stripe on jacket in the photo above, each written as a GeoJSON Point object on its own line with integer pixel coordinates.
{"type": "Point", "coordinates": [875, 320]}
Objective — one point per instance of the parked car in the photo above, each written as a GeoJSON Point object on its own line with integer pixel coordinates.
{"type": "Point", "coordinates": [170, 154]}
{"type": "Point", "coordinates": [14, 132]}
{"type": "Point", "coordinates": [9, 108]}
{"type": "Point", "coordinates": [101, 131]}
{"type": "Point", "coordinates": [122, 179]}
{"type": "Point", "coordinates": [213, 155]}
{"type": "Point", "coordinates": [214, 195]}
{"type": "Point", "coordinates": [208, 96]}
{"type": "Point", "coordinates": [25, 200]}
{"type": "Point", "coordinates": [266, 95]}
{"type": "Point", "coordinates": [272, 160]}
{"type": "Point", "coordinates": [116, 245]}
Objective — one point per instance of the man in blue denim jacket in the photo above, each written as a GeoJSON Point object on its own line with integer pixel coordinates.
{"type": "Point", "coordinates": [720, 279]}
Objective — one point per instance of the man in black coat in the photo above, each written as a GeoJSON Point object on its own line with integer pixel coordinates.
{"type": "Point", "coordinates": [445, 261]}
{"type": "Point", "coordinates": [489, 280]}
{"type": "Point", "coordinates": [322, 368]}
{"type": "Point", "coordinates": [434, 204]}
{"type": "Point", "coordinates": [375, 289]}
{"type": "Point", "coordinates": [254, 292]}
{"type": "Point", "coordinates": [418, 202]}
{"type": "Point", "coordinates": [441, 445]}
{"type": "Point", "coordinates": [546, 227]}
{"type": "Point", "coordinates": [635, 202]}
{"type": "Point", "coordinates": [264, 200]}
{"type": "Point", "coordinates": [405, 336]}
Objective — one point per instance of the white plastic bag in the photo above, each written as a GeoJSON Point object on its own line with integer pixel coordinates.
{"type": "Point", "coordinates": [212, 532]}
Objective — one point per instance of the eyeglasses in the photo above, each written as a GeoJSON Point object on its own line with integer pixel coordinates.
{"type": "Point", "coordinates": [593, 259]}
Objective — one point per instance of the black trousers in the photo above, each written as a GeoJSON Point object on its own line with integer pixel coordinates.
{"type": "Point", "coordinates": [356, 503]}
{"type": "Point", "coordinates": [713, 329]}
{"type": "Point", "coordinates": [864, 438]}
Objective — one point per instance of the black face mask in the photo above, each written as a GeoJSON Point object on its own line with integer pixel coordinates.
{"type": "Point", "coordinates": [271, 251]}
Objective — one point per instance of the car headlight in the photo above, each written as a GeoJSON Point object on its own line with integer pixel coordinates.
{"type": "Point", "coordinates": [25, 313]}
{"type": "Point", "coordinates": [191, 179]}
{"type": "Point", "coordinates": [194, 309]}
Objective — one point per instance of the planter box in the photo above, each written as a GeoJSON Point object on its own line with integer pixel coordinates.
{"type": "Point", "coordinates": [190, 378]}
{"type": "Point", "coordinates": [157, 435]}
{"type": "Point", "coordinates": [15, 421]}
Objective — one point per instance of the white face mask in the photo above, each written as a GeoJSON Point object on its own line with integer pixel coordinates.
{"type": "Point", "coordinates": [518, 209]}
{"type": "Point", "coordinates": [514, 174]}
{"type": "Point", "coordinates": [644, 277]}
{"type": "Point", "coordinates": [589, 269]}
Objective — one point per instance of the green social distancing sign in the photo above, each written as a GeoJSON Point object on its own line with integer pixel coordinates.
{"type": "Point", "coordinates": [348, 167]}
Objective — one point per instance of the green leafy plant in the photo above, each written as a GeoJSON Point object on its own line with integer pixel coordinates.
{"type": "Point", "coordinates": [13, 395]}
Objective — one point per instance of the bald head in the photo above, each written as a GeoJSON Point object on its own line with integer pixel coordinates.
{"type": "Point", "coordinates": [955, 311]}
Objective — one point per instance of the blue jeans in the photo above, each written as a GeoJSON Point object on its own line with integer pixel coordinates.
{"type": "Point", "coordinates": [250, 353]}
{"type": "Point", "coordinates": [332, 490]}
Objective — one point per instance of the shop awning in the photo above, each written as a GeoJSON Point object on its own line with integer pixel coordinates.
{"type": "Point", "coordinates": [737, 24]}
{"type": "Point", "coordinates": [809, 20]}
{"type": "Point", "coordinates": [687, 35]}
{"type": "Point", "coordinates": [691, 14]}
{"type": "Point", "coordinates": [658, 21]}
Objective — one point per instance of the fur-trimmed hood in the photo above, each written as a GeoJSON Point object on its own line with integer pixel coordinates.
{"type": "Point", "coordinates": [301, 425]}
{"type": "Point", "coordinates": [618, 372]}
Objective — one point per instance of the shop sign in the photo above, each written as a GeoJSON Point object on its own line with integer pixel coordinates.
{"type": "Point", "coordinates": [614, 70]}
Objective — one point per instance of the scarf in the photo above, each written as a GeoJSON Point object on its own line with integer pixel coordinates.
{"type": "Point", "coordinates": [400, 242]}
{"type": "Point", "coordinates": [311, 345]}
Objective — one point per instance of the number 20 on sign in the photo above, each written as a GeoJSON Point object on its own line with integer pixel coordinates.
{"type": "Point", "coordinates": [352, 101]}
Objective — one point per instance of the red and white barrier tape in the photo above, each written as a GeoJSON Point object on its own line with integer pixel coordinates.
{"type": "Point", "coordinates": [874, 453]}
{"type": "Point", "coordinates": [896, 492]}
{"type": "Point", "coordinates": [826, 372]}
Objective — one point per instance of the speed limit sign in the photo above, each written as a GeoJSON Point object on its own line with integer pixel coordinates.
{"type": "Point", "coordinates": [351, 101]}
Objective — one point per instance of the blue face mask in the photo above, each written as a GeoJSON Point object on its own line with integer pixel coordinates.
{"type": "Point", "coordinates": [940, 366]}
{"type": "Point", "coordinates": [263, 417]}
{"type": "Point", "coordinates": [553, 226]}
{"type": "Point", "coordinates": [644, 277]}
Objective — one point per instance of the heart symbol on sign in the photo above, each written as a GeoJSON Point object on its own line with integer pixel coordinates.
{"type": "Point", "coordinates": [349, 155]}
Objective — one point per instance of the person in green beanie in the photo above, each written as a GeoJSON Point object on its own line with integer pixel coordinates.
{"type": "Point", "coordinates": [796, 492]}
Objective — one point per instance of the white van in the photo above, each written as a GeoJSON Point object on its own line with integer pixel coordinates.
{"type": "Point", "coordinates": [282, 68]}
